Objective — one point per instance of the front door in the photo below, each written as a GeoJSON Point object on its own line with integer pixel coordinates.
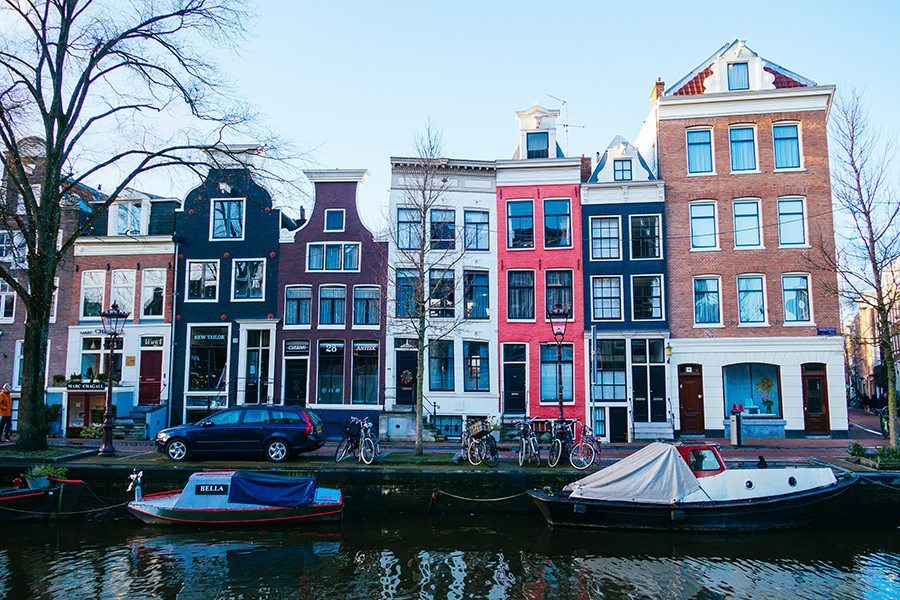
{"type": "Point", "coordinates": [690, 399]}
{"type": "Point", "coordinates": [815, 399]}
{"type": "Point", "coordinates": [514, 393]}
{"type": "Point", "coordinates": [296, 377]}
{"type": "Point", "coordinates": [406, 377]}
{"type": "Point", "coordinates": [150, 385]}
{"type": "Point", "coordinates": [618, 424]}
{"type": "Point", "coordinates": [256, 371]}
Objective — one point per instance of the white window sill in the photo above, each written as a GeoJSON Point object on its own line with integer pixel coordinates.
{"type": "Point", "coordinates": [644, 259]}
{"type": "Point", "coordinates": [306, 327]}
{"type": "Point", "coordinates": [716, 249]}
{"type": "Point", "coordinates": [709, 326]}
{"type": "Point", "coordinates": [596, 320]}
{"type": "Point", "coordinates": [367, 327]}
{"type": "Point", "coordinates": [605, 260]}
{"type": "Point", "coordinates": [519, 249]}
{"type": "Point", "coordinates": [556, 403]}
{"type": "Point", "coordinates": [653, 320]}
{"type": "Point", "coordinates": [793, 246]}
{"type": "Point", "coordinates": [521, 321]}
{"type": "Point", "coordinates": [7, 321]}
{"type": "Point", "coordinates": [709, 174]}
{"type": "Point", "coordinates": [332, 326]}
{"type": "Point", "coordinates": [799, 324]}
{"type": "Point", "coordinates": [740, 248]}
{"type": "Point", "coordinates": [747, 172]}
{"type": "Point", "coordinates": [551, 248]}
{"type": "Point", "coordinates": [209, 301]}
{"type": "Point", "coordinates": [240, 239]}
{"type": "Point", "coordinates": [248, 299]}
{"type": "Point", "coordinates": [753, 325]}
{"type": "Point", "coordinates": [790, 170]}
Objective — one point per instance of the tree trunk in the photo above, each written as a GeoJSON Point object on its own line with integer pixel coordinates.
{"type": "Point", "coordinates": [420, 388]}
{"type": "Point", "coordinates": [889, 362]}
{"type": "Point", "coordinates": [32, 422]}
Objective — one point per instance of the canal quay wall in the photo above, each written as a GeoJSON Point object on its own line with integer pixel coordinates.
{"type": "Point", "coordinates": [437, 490]}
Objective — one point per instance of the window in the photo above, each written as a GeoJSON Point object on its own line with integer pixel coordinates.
{"type": "Point", "coordinates": [297, 304]}
{"type": "Point", "coordinates": [743, 149]}
{"type": "Point", "coordinates": [559, 290]}
{"type": "Point", "coordinates": [406, 293]}
{"type": "Point", "coordinates": [605, 242]}
{"type": "Point", "coordinates": [699, 151]}
{"type": "Point", "coordinates": [333, 257]}
{"type": "Point", "coordinates": [648, 372]}
{"type": "Point", "coordinates": [203, 280]}
{"type": "Point", "coordinates": [441, 293]}
{"type": "Point", "coordinates": [18, 363]}
{"type": "Point", "coordinates": [707, 301]}
{"type": "Point", "coordinates": [787, 146]}
{"type": "Point", "coordinates": [123, 290]}
{"type": "Point", "coordinates": [228, 219]}
{"type": "Point", "coordinates": [609, 374]}
{"type": "Point", "coordinates": [54, 302]}
{"type": "Point", "coordinates": [646, 297]}
{"type": "Point", "coordinates": [364, 379]}
{"type": "Point", "coordinates": [409, 229]}
{"type": "Point", "coordinates": [334, 219]}
{"type": "Point", "coordinates": [746, 224]}
{"type": "Point", "coordinates": [7, 303]}
{"type": "Point", "coordinates": [443, 229]}
{"type": "Point", "coordinates": [153, 288]}
{"type": "Point", "coordinates": [738, 76]}
{"type": "Point", "coordinates": [226, 418]}
{"type": "Point", "coordinates": [440, 366]}
{"type": "Point", "coordinates": [606, 297]}
{"type": "Point", "coordinates": [519, 224]}
{"type": "Point", "coordinates": [477, 374]}
{"type": "Point", "coordinates": [20, 202]}
{"type": "Point", "coordinates": [520, 291]}
{"type": "Point", "coordinates": [795, 289]}
{"type": "Point", "coordinates": [477, 230]}
{"type": "Point", "coordinates": [550, 371]}
{"type": "Point", "coordinates": [366, 306]}
{"type": "Point", "coordinates": [208, 358]}
{"type": "Point", "coordinates": [755, 386]}
{"type": "Point", "coordinates": [249, 278]}
{"type": "Point", "coordinates": [557, 224]}
{"type": "Point", "coordinates": [751, 299]}
{"type": "Point", "coordinates": [95, 358]}
{"type": "Point", "coordinates": [703, 227]}
{"type": "Point", "coordinates": [538, 144]}
{"type": "Point", "coordinates": [331, 372]}
{"type": "Point", "coordinates": [476, 294]}
{"type": "Point", "coordinates": [332, 299]}
{"type": "Point", "coordinates": [93, 284]}
{"type": "Point", "coordinates": [622, 169]}
{"type": "Point", "coordinates": [791, 222]}
{"type": "Point", "coordinates": [128, 218]}
{"type": "Point", "coordinates": [256, 416]}
{"type": "Point", "coordinates": [646, 241]}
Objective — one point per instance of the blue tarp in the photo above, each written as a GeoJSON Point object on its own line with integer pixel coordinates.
{"type": "Point", "coordinates": [248, 487]}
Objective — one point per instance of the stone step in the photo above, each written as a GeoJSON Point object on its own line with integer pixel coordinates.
{"type": "Point", "coordinates": [654, 431]}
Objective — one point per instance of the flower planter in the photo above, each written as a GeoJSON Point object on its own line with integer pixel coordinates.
{"type": "Point", "coordinates": [881, 465]}
{"type": "Point", "coordinates": [38, 483]}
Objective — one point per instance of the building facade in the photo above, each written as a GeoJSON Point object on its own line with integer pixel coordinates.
{"type": "Point", "coordinates": [331, 290]}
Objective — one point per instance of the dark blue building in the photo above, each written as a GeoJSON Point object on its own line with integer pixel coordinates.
{"type": "Point", "coordinates": [626, 326]}
{"type": "Point", "coordinates": [226, 287]}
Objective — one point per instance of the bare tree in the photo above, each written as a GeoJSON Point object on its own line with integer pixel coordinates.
{"type": "Point", "coordinates": [423, 253]}
{"type": "Point", "coordinates": [869, 255]}
{"type": "Point", "coordinates": [104, 89]}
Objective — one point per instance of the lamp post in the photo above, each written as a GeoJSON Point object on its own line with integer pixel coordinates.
{"type": "Point", "coordinates": [113, 324]}
{"type": "Point", "coordinates": [559, 319]}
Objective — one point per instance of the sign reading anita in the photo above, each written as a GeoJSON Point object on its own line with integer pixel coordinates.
{"type": "Point", "coordinates": [211, 489]}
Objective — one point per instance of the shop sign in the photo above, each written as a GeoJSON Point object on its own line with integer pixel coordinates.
{"type": "Point", "coordinates": [207, 337]}
{"type": "Point", "coordinates": [826, 331]}
{"type": "Point", "coordinates": [331, 347]}
{"type": "Point", "coordinates": [85, 386]}
{"type": "Point", "coordinates": [152, 342]}
{"type": "Point", "coordinates": [296, 347]}
{"type": "Point", "coordinates": [130, 361]}
{"type": "Point", "coordinates": [365, 348]}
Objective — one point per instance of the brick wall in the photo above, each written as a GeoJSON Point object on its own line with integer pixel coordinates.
{"type": "Point", "coordinates": [100, 263]}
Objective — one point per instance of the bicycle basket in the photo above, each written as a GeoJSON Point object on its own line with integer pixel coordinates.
{"type": "Point", "coordinates": [479, 429]}
{"type": "Point", "coordinates": [352, 429]}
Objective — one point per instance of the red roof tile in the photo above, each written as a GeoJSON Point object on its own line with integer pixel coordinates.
{"type": "Point", "coordinates": [782, 80]}
{"type": "Point", "coordinates": [695, 85]}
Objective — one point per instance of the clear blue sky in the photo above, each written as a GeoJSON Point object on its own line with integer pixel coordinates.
{"type": "Point", "coordinates": [353, 81]}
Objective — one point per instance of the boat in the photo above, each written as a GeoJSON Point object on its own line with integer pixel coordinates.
{"type": "Point", "coordinates": [240, 498]}
{"type": "Point", "coordinates": [665, 487]}
{"type": "Point", "coordinates": [51, 501]}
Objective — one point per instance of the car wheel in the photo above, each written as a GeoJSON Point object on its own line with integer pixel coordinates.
{"type": "Point", "coordinates": [277, 451]}
{"type": "Point", "coordinates": [177, 450]}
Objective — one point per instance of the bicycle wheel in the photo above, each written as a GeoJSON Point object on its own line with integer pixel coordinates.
{"type": "Point", "coordinates": [535, 450]}
{"type": "Point", "coordinates": [367, 451]}
{"type": "Point", "coordinates": [491, 452]}
{"type": "Point", "coordinates": [523, 451]}
{"type": "Point", "coordinates": [475, 453]}
{"type": "Point", "coordinates": [342, 452]}
{"type": "Point", "coordinates": [555, 452]}
{"type": "Point", "coordinates": [582, 455]}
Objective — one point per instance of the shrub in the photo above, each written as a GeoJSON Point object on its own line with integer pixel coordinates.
{"type": "Point", "coordinates": [46, 471]}
{"type": "Point", "coordinates": [93, 431]}
{"type": "Point", "coordinates": [856, 449]}
{"type": "Point", "coordinates": [888, 454]}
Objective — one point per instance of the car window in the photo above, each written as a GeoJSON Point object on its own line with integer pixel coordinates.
{"type": "Point", "coordinates": [228, 417]}
{"type": "Point", "coordinates": [704, 460]}
{"type": "Point", "coordinates": [286, 417]}
{"type": "Point", "coordinates": [313, 417]}
{"type": "Point", "coordinates": [256, 416]}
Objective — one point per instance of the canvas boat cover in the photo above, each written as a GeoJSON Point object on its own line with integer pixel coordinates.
{"type": "Point", "coordinates": [248, 487]}
{"type": "Point", "coordinates": [655, 474]}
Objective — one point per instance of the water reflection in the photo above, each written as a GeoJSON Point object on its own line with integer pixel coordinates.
{"type": "Point", "coordinates": [454, 557]}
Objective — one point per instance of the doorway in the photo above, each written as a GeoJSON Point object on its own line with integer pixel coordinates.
{"type": "Point", "coordinates": [150, 382]}
{"type": "Point", "coordinates": [618, 424]}
{"type": "Point", "coordinates": [815, 399]}
{"type": "Point", "coordinates": [83, 410]}
{"type": "Point", "coordinates": [690, 399]}
{"type": "Point", "coordinates": [514, 369]}
{"type": "Point", "coordinates": [256, 371]}
{"type": "Point", "coordinates": [296, 381]}
{"type": "Point", "coordinates": [406, 377]}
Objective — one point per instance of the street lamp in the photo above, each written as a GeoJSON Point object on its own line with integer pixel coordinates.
{"type": "Point", "coordinates": [559, 319]}
{"type": "Point", "coordinates": [113, 324]}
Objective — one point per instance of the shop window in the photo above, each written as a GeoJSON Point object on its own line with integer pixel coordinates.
{"type": "Point", "coordinates": [207, 358]}
{"type": "Point", "coordinates": [331, 372]}
{"type": "Point", "coordinates": [364, 384]}
{"type": "Point", "coordinates": [755, 386]}
{"type": "Point", "coordinates": [549, 373]}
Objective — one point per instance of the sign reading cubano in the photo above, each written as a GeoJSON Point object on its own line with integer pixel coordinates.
{"type": "Point", "coordinates": [296, 347]}
{"type": "Point", "coordinates": [211, 489]}
{"type": "Point", "coordinates": [85, 385]}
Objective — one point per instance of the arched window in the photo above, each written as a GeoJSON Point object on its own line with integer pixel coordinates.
{"type": "Point", "coordinates": [755, 386]}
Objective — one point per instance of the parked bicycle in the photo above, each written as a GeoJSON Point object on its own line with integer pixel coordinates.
{"type": "Point", "coordinates": [529, 448]}
{"type": "Point", "coordinates": [586, 450]}
{"type": "Point", "coordinates": [581, 453]}
{"type": "Point", "coordinates": [480, 446]}
{"type": "Point", "coordinates": [359, 441]}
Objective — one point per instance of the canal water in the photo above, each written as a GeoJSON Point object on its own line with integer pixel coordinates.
{"type": "Point", "coordinates": [443, 557]}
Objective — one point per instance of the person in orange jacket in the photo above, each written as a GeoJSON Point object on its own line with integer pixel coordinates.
{"type": "Point", "coordinates": [5, 413]}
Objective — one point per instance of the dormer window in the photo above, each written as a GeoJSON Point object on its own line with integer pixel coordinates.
{"type": "Point", "coordinates": [228, 219]}
{"type": "Point", "coordinates": [334, 219]}
{"type": "Point", "coordinates": [738, 76]}
{"type": "Point", "coordinates": [128, 218]}
{"type": "Point", "coordinates": [622, 169]}
{"type": "Point", "coordinates": [538, 144]}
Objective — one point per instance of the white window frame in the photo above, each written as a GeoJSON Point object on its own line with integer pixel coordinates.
{"type": "Point", "coordinates": [144, 289]}
{"type": "Point", "coordinates": [212, 216]}
{"type": "Point", "coordinates": [81, 315]}
{"type": "Point", "coordinates": [324, 245]}
{"type": "Point", "coordinates": [466, 211]}
{"type": "Point", "coordinates": [659, 236]}
{"type": "Point", "coordinates": [113, 287]}
{"type": "Point", "coordinates": [187, 279]}
{"type": "Point", "coordinates": [621, 299]}
{"type": "Point", "coordinates": [187, 368]}
{"type": "Point", "coordinates": [16, 382]}
{"type": "Point", "coordinates": [113, 230]}
{"type": "Point", "coordinates": [765, 296]}
{"type": "Point", "coordinates": [624, 159]}
{"type": "Point", "coordinates": [802, 166]}
{"type": "Point", "coordinates": [20, 199]}
{"type": "Point", "coordinates": [284, 317]}
{"type": "Point", "coordinates": [571, 243]}
{"type": "Point", "coordinates": [343, 220]}
{"type": "Point", "coordinates": [755, 148]}
{"type": "Point", "coordinates": [712, 150]}
{"type": "Point", "coordinates": [534, 291]}
{"type": "Point", "coordinates": [662, 295]}
{"type": "Point", "coordinates": [715, 206]}
{"type": "Point", "coordinates": [728, 78]}
{"type": "Point", "coordinates": [234, 262]}
{"type": "Point", "coordinates": [54, 302]}
{"type": "Point", "coordinates": [506, 218]}
{"type": "Point", "coordinates": [805, 221]}
{"type": "Point", "coordinates": [618, 219]}
{"type": "Point", "coordinates": [352, 306]}
{"type": "Point", "coordinates": [721, 321]}
{"type": "Point", "coordinates": [759, 220]}
{"type": "Point", "coordinates": [319, 324]}
{"type": "Point", "coordinates": [11, 293]}
{"type": "Point", "coordinates": [575, 291]}
{"type": "Point", "coordinates": [812, 316]}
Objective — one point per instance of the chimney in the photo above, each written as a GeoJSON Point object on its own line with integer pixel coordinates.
{"type": "Point", "coordinates": [302, 218]}
{"type": "Point", "coordinates": [585, 168]}
{"type": "Point", "coordinates": [659, 88]}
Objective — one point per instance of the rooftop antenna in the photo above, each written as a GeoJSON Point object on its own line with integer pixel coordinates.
{"type": "Point", "coordinates": [565, 125]}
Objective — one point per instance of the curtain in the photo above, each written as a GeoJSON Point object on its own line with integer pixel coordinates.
{"type": "Point", "coordinates": [316, 257]}
{"type": "Point", "coordinates": [743, 152]}
{"type": "Point", "coordinates": [706, 300]}
{"type": "Point", "coordinates": [750, 300]}
{"type": "Point", "coordinates": [796, 299]}
{"type": "Point", "coordinates": [738, 76]}
{"type": "Point", "coordinates": [787, 147]}
{"type": "Point", "coordinates": [699, 151]}
{"type": "Point", "coordinates": [549, 383]}
{"type": "Point", "coordinates": [521, 295]}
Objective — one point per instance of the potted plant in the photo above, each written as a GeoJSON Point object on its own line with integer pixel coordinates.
{"type": "Point", "coordinates": [856, 451]}
{"type": "Point", "coordinates": [58, 380]}
{"type": "Point", "coordinates": [38, 476]}
{"type": "Point", "coordinates": [94, 431]}
{"type": "Point", "coordinates": [74, 378]}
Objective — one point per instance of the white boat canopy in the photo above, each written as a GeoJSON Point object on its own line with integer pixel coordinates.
{"type": "Point", "coordinates": [654, 474]}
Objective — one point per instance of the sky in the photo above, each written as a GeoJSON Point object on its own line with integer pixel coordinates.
{"type": "Point", "coordinates": [351, 82]}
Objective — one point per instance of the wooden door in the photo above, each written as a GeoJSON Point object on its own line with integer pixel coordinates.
{"type": "Point", "coordinates": [406, 377]}
{"type": "Point", "coordinates": [618, 424]}
{"type": "Point", "coordinates": [296, 380]}
{"type": "Point", "coordinates": [815, 399]}
{"type": "Point", "coordinates": [690, 399]}
{"type": "Point", "coordinates": [150, 382]}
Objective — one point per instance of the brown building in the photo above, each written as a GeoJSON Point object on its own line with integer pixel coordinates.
{"type": "Point", "coordinates": [741, 144]}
